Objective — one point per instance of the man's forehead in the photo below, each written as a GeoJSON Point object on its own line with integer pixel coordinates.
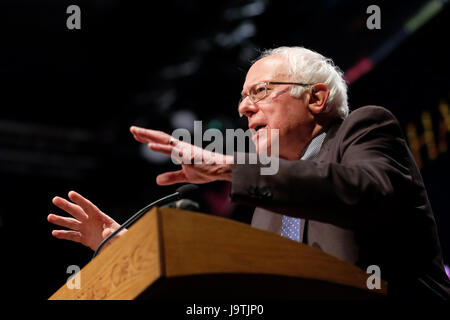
{"type": "Point", "coordinates": [269, 68]}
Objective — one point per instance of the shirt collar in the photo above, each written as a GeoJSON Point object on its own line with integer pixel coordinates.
{"type": "Point", "coordinates": [313, 148]}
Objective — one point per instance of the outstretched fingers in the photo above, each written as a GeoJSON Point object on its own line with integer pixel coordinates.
{"type": "Point", "coordinates": [162, 148]}
{"type": "Point", "coordinates": [67, 235]}
{"type": "Point", "coordinates": [171, 177]}
{"type": "Point", "coordinates": [70, 223]}
{"type": "Point", "coordinates": [72, 209]}
{"type": "Point", "coordinates": [148, 135]}
{"type": "Point", "coordinates": [89, 208]}
{"type": "Point", "coordinates": [180, 153]}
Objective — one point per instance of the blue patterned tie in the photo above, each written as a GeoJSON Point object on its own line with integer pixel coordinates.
{"type": "Point", "coordinates": [290, 227]}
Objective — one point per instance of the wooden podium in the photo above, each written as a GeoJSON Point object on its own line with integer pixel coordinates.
{"type": "Point", "coordinates": [176, 254]}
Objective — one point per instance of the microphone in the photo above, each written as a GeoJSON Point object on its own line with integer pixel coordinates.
{"type": "Point", "coordinates": [184, 204]}
{"type": "Point", "coordinates": [181, 192]}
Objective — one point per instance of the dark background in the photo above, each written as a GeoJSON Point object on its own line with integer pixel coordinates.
{"type": "Point", "coordinates": [68, 97]}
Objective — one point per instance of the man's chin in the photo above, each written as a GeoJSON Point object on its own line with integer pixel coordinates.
{"type": "Point", "coordinates": [262, 148]}
{"type": "Point", "coordinates": [262, 142]}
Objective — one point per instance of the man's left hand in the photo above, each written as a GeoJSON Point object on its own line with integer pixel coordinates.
{"type": "Point", "coordinates": [197, 165]}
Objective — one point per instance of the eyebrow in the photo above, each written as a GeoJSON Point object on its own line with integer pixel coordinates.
{"type": "Point", "coordinates": [242, 92]}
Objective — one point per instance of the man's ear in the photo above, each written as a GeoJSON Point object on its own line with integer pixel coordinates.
{"type": "Point", "coordinates": [318, 98]}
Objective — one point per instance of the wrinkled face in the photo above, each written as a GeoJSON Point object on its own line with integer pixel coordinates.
{"type": "Point", "coordinates": [278, 110]}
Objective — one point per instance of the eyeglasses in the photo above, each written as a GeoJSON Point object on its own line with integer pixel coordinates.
{"type": "Point", "coordinates": [259, 91]}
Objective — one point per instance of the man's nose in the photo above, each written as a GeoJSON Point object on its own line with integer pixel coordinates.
{"type": "Point", "coordinates": [248, 107]}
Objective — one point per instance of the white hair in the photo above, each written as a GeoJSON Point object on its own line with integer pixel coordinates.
{"type": "Point", "coordinates": [308, 66]}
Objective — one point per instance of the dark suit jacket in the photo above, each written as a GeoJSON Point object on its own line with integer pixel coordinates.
{"type": "Point", "coordinates": [362, 200]}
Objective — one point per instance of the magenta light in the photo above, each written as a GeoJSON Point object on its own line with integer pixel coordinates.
{"type": "Point", "coordinates": [360, 68]}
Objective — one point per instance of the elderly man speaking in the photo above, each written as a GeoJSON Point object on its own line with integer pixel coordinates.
{"type": "Point", "coordinates": [346, 184]}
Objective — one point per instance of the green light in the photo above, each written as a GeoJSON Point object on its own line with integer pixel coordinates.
{"type": "Point", "coordinates": [215, 124]}
{"type": "Point", "coordinates": [425, 14]}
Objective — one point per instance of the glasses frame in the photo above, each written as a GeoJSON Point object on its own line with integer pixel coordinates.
{"type": "Point", "coordinates": [266, 83]}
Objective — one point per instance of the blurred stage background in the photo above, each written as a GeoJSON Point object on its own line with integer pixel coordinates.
{"type": "Point", "coordinates": [68, 97]}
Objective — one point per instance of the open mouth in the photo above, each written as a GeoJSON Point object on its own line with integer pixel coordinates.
{"type": "Point", "coordinates": [257, 128]}
{"type": "Point", "coordinates": [256, 132]}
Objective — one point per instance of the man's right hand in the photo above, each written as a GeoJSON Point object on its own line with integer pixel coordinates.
{"type": "Point", "coordinates": [88, 226]}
